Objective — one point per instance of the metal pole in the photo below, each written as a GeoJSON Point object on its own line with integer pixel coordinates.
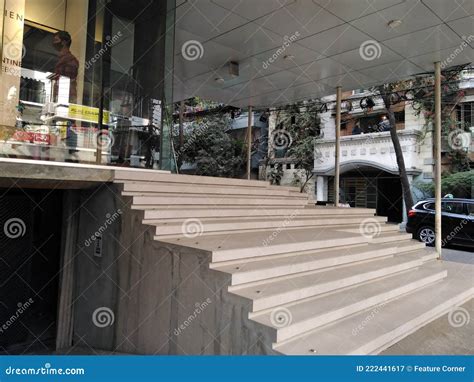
{"type": "Point", "coordinates": [249, 143]}
{"type": "Point", "coordinates": [437, 158]}
{"type": "Point", "coordinates": [181, 118]}
{"type": "Point", "coordinates": [338, 146]}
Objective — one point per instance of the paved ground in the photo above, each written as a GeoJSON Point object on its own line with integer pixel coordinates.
{"type": "Point", "coordinates": [459, 255]}
{"type": "Point", "coordinates": [439, 337]}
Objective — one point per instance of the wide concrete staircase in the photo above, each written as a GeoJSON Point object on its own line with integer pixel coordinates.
{"type": "Point", "coordinates": [310, 279]}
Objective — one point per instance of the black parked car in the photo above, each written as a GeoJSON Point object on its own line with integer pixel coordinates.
{"type": "Point", "coordinates": [457, 221]}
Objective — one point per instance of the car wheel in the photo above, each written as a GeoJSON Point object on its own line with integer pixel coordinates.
{"type": "Point", "coordinates": [427, 235]}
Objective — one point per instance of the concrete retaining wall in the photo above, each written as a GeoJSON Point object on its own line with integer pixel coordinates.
{"type": "Point", "coordinates": [163, 299]}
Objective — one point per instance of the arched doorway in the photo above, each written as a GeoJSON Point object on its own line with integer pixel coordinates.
{"type": "Point", "coordinates": [370, 187]}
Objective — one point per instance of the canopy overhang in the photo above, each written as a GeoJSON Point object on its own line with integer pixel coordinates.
{"type": "Point", "coordinates": [291, 50]}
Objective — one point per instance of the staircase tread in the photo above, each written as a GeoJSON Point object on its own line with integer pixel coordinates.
{"type": "Point", "coordinates": [259, 219]}
{"type": "Point", "coordinates": [388, 322]}
{"type": "Point", "coordinates": [272, 288]}
{"type": "Point", "coordinates": [265, 264]}
{"type": "Point", "coordinates": [293, 239]}
{"type": "Point", "coordinates": [320, 305]}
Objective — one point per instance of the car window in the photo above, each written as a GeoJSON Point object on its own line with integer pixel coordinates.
{"type": "Point", "coordinates": [452, 207]}
{"type": "Point", "coordinates": [429, 206]}
{"type": "Point", "coordinates": [470, 209]}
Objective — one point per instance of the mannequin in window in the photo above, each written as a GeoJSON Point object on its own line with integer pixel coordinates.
{"type": "Point", "coordinates": [67, 65]}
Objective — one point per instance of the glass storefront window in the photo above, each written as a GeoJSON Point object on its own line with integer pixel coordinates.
{"type": "Point", "coordinates": [86, 81]}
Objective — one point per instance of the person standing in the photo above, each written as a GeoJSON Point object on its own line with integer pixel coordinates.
{"type": "Point", "coordinates": [67, 65]}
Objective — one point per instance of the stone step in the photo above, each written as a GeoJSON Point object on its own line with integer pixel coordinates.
{"type": "Point", "coordinates": [390, 237]}
{"type": "Point", "coordinates": [250, 245]}
{"type": "Point", "coordinates": [271, 293]}
{"type": "Point", "coordinates": [177, 200]}
{"type": "Point", "coordinates": [239, 211]}
{"type": "Point", "coordinates": [293, 214]}
{"type": "Point", "coordinates": [208, 227]}
{"type": "Point", "coordinates": [173, 188]}
{"type": "Point", "coordinates": [373, 330]}
{"type": "Point", "coordinates": [246, 272]}
{"type": "Point", "coordinates": [287, 321]}
{"type": "Point", "coordinates": [341, 210]}
{"type": "Point", "coordinates": [198, 193]}
{"type": "Point", "coordinates": [122, 176]}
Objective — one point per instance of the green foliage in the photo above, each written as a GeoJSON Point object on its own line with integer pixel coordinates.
{"type": "Point", "coordinates": [212, 149]}
{"type": "Point", "coordinates": [302, 125]}
{"type": "Point", "coordinates": [276, 174]}
{"type": "Point", "coordinates": [459, 184]}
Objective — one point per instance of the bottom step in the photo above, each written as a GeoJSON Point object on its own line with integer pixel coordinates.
{"type": "Point", "coordinates": [373, 330]}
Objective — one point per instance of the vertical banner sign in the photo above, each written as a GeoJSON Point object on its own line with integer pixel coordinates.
{"type": "Point", "coordinates": [13, 15]}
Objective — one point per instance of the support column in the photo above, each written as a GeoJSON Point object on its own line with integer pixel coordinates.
{"type": "Point", "coordinates": [181, 123]}
{"type": "Point", "coordinates": [249, 143]}
{"type": "Point", "coordinates": [437, 157]}
{"type": "Point", "coordinates": [321, 189]}
{"type": "Point", "coordinates": [338, 146]}
{"type": "Point", "coordinates": [405, 208]}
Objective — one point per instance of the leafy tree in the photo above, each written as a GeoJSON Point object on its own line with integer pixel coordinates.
{"type": "Point", "coordinates": [385, 92]}
{"type": "Point", "coordinates": [297, 127]}
{"type": "Point", "coordinates": [212, 149]}
{"type": "Point", "coordinates": [420, 91]}
{"type": "Point", "coordinates": [459, 184]}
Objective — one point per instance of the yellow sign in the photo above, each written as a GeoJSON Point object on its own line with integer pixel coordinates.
{"type": "Point", "coordinates": [87, 113]}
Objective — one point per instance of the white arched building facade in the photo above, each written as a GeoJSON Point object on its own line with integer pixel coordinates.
{"type": "Point", "coordinates": [368, 165]}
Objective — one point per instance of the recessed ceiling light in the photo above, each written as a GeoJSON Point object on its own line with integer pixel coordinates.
{"type": "Point", "coordinates": [394, 23]}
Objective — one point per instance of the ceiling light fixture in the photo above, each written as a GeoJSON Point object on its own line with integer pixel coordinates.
{"type": "Point", "coordinates": [394, 23]}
